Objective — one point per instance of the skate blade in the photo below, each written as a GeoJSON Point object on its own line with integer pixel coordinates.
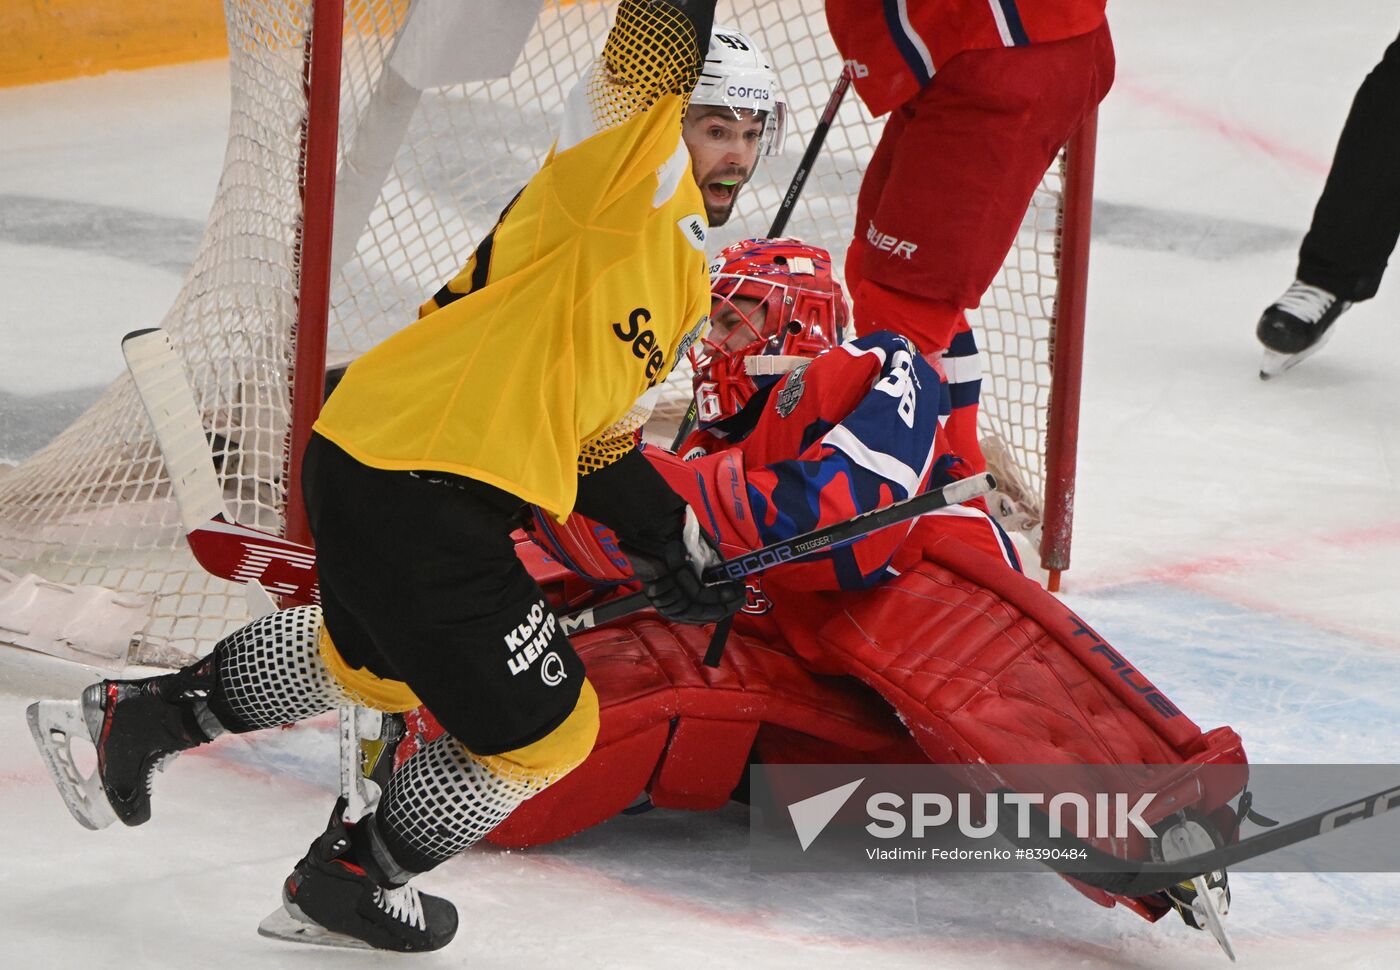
{"type": "Point", "coordinates": [281, 924]}
{"type": "Point", "coordinates": [54, 725]}
{"type": "Point", "coordinates": [1206, 912]}
{"type": "Point", "coordinates": [1275, 363]}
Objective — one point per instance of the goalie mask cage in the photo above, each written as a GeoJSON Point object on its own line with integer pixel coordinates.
{"type": "Point", "coordinates": [422, 176]}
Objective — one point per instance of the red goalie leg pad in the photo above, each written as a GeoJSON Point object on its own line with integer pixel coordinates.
{"type": "Point", "coordinates": [782, 746]}
{"type": "Point", "coordinates": [985, 666]}
{"type": "Point", "coordinates": [682, 731]}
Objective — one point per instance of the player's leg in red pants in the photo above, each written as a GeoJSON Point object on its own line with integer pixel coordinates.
{"type": "Point", "coordinates": [949, 183]}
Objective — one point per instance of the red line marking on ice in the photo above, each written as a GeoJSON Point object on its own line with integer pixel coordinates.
{"type": "Point", "coordinates": [10, 779]}
{"type": "Point", "coordinates": [1230, 130]}
{"type": "Point", "coordinates": [1272, 555]}
{"type": "Point", "coordinates": [1261, 605]}
{"type": "Point", "coordinates": [1194, 574]}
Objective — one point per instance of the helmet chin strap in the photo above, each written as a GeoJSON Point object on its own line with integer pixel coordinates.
{"type": "Point", "coordinates": [766, 366]}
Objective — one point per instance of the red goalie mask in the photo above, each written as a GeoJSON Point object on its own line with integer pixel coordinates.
{"type": "Point", "coordinates": [773, 305]}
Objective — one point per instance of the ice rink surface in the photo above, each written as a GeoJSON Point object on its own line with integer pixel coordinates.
{"type": "Point", "coordinates": [1239, 541]}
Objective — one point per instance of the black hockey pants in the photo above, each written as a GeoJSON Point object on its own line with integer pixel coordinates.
{"type": "Point", "coordinates": [1357, 220]}
{"type": "Point", "coordinates": [420, 583]}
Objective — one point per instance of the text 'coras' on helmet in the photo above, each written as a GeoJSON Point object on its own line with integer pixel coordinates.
{"type": "Point", "coordinates": [736, 75]}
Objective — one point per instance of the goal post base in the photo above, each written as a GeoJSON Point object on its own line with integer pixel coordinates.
{"type": "Point", "coordinates": [86, 624]}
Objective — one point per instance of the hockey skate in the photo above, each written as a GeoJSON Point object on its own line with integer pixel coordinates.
{"type": "Point", "coordinates": [1296, 326]}
{"type": "Point", "coordinates": [331, 899]}
{"type": "Point", "coordinates": [137, 727]}
{"type": "Point", "coordinates": [1201, 900]}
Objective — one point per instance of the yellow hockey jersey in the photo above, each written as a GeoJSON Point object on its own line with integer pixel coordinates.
{"type": "Point", "coordinates": [591, 286]}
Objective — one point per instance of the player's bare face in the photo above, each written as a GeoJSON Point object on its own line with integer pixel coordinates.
{"type": "Point", "coordinates": [723, 154]}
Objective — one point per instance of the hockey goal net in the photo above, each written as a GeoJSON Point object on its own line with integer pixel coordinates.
{"type": "Point", "coordinates": [423, 175]}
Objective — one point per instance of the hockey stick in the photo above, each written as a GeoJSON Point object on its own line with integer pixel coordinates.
{"type": "Point", "coordinates": [809, 157]}
{"type": "Point", "coordinates": [799, 547]}
{"type": "Point", "coordinates": [1128, 877]}
{"type": "Point", "coordinates": [784, 213]}
{"type": "Point", "coordinates": [236, 552]}
{"type": "Point", "coordinates": [168, 398]}
{"type": "Point", "coordinates": [223, 547]}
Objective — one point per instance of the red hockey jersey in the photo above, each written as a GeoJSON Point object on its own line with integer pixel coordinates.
{"type": "Point", "coordinates": [856, 429]}
{"type": "Point", "coordinates": [897, 51]}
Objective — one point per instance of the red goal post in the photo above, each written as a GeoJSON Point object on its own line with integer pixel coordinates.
{"type": "Point", "coordinates": [415, 173]}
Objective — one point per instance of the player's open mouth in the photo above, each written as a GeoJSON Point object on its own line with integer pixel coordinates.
{"type": "Point", "coordinates": [722, 191]}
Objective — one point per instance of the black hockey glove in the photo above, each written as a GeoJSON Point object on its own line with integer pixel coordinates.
{"type": "Point", "coordinates": [669, 571]}
{"type": "Point", "coordinates": [661, 537]}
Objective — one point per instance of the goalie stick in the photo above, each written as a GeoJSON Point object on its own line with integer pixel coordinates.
{"type": "Point", "coordinates": [243, 554]}
{"type": "Point", "coordinates": [1130, 877]}
{"type": "Point", "coordinates": [800, 547]}
{"type": "Point", "coordinates": [222, 547]}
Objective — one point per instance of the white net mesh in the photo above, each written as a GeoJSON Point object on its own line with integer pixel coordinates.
{"type": "Point", "coordinates": [1015, 328]}
{"type": "Point", "coordinates": [94, 508]}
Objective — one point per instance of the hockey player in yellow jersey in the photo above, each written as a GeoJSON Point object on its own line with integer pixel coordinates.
{"type": "Point", "coordinates": [514, 386]}
{"type": "Point", "coordinates": [586, 292]}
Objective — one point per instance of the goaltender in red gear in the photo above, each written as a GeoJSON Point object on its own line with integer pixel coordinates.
{"type": "Point", "coordinates": [981, 95]}
{"type": "Point", "coordinates": [969, 660]}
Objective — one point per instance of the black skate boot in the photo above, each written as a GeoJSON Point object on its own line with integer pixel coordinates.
{"type": "Point", "coordinates": [137, 727]}
{"type": "Point", "coordinates": [1296, 326]}
{"type": "Point", "coordinates": [338, 895]}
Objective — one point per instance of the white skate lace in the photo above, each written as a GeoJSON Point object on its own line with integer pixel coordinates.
{"type": "Point", "coordinates": [402, 904]}
{"type": "Point", "coordinates": [1307, 303]}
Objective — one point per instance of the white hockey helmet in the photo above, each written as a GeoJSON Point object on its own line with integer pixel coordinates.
{"type": "Point", "coordinates": [737, 76]}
